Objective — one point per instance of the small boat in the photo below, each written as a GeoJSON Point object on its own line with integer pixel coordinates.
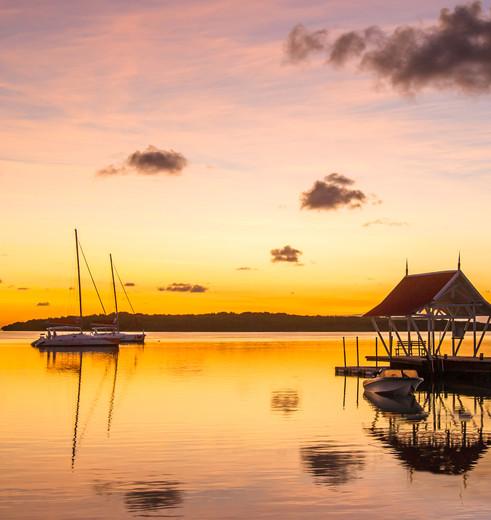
{"type": "Point", "coordinates": [111, 329]}
{"type": "Point", "coordinates": [395, 382]}
{"type": "Point", "coordinates": [67, 332]}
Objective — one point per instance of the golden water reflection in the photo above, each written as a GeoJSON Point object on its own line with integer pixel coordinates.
{"type": "Point", "coordinates": [228, 429]}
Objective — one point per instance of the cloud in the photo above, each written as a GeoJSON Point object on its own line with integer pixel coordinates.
{"type": "Point", "coordinates": [42, 304]}
{"type": "Point", "coordinates": [246, 269]}
{"type": "Point", "coordinates": [300, 43]}
{"type": "Point", "coordinates": [22, 288]}
{"type": "Point", "coordinates": [453, 54]}
{"type": "Point", "coordinates": [183, 287]}
{"type": "Point", "coordinates": [152, 161]}
{"type": "Point", "coordinates": [285, 254]}
{"type": "Point", "coordinates": [332, 193]}
{"type": "Point", "coordinates": [129, 284]}
{"type": "Point", "coordinates": [385, 222]}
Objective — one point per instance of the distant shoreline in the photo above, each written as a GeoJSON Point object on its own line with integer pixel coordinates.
{"type": "Point", "coordinates": [223, 322]}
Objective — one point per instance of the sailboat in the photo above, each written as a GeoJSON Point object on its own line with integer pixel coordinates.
{"type": "Point", "coordinates": [111, 330]}
{"type": "Point", "coordinates": [68, 332]}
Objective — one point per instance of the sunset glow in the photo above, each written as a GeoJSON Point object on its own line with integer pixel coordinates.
{"type": "Point", "coordinates": [191, 140]}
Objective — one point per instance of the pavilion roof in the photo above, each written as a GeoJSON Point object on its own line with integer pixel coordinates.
{"type": "Point", "coordinates": [414, 292]}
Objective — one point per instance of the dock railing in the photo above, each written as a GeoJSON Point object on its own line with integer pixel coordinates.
{"type": "Point", "coordinates": [413, 348]}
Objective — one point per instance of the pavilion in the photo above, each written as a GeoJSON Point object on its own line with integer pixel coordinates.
{"type": "Point", "coordinates": [444, 301]}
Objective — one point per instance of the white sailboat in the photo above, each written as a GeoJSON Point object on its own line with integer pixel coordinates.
{"type": "Point", "coordinates": [71, 334]}
{"type": "Point", "coordinates": [112, 330]}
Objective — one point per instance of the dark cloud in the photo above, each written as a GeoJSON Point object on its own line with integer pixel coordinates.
{"type": "Point", "coordinates": [300, 43]}
{"type": "Point", "coordinates": [184, 287]}
{"type": "Point", "coordinates": [246, 269]}
{"type": "Point", "coordinates": [129, 284]}
{"type": "Point", "coordinates": [385, 222]}
{"type": "Point", "coordinates": [42, 304]}
{"type": "Point", "coordinates": [22, 288]}
{"type": "Point", "coordinates": [285, 254]}
{"type": "Point", "coordinates": [332, 193]}
{"type": "Point", "coordinates": [111, 170]}
{"type": "Point", "coordinates": [151, 161]}
{"type": "Point", "coordinates": [455, 53]}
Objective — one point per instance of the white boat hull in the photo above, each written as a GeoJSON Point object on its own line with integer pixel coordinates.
{"type": "Point", "coordinates": [392, 385]}
{"type": "Point", "coordinates": [75, 340]}
{"type": "Point", "coordinates": [121, 337]}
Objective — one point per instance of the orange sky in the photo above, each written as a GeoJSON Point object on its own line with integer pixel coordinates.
{"type": "Point", "coordinates": [230, 131]}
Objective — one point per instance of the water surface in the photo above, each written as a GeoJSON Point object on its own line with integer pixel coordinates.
{"type": "Point", "coordinates": [230, 426]}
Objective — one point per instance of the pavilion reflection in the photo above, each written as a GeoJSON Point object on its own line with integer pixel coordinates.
{"type": "Point", "coordinates": [144, 497]}
{"type": "Point", "coordinates": [435, 432]}
{"type": "Point", "coordinates": [332, 465]}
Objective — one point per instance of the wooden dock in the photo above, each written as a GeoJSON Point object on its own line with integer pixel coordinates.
{"type": "Point", "coordinates": [358, 371]}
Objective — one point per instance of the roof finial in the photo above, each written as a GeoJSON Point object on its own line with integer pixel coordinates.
{"type": "Point", "coordinates": [407, 268]}
{"type": "Point", "coordinates": [458, 264]}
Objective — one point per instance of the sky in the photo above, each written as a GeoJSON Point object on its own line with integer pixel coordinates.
{"type": "Point", "coordinates": [278, 156]}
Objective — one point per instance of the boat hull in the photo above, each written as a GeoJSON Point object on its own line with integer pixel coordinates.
{"type": "Point", "coordinates": [392, 385]}
{"type": "Point", "coordinates": [122, 337]}
{"type": "Point", "coordinates": [75, 340]}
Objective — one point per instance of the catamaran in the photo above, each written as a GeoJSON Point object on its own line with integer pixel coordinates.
{"type": "Point", "coordinates": [111, 330]}
{"type": "Point", "coordinates": [67, 332]}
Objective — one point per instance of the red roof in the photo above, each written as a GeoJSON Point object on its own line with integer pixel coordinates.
{"type": "Point", "coordinates": [412, 293]}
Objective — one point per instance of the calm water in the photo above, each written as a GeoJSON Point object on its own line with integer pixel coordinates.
{"type": "Point", "coordinates": [230, 427]}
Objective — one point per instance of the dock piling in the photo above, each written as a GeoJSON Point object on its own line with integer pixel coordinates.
{"type": "Point", "coordinates": [344, 352]}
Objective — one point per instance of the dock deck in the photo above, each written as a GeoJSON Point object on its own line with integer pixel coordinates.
{"type": "Point", "coordinates": [358, 371]}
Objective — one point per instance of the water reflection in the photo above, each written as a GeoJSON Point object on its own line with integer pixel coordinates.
{"type": "Point", "coordinates": [435, 432]}
{"type": "Point", "coordinates": [332, 465]}
{"type": "Point", "coordinates": [285, 401]}
{"type": "Point", "coordinates": [71, 360]}
{"type": "Point", "coordinates": [144, 496]}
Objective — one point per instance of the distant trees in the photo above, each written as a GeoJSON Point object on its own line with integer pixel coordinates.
{"type": "Point", "coordinates": [227, 322]}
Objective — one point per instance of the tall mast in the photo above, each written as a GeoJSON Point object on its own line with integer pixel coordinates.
{"type": "Point", "coordinates": [78, 275]}
{"type": "Point", "coordinates": [114, 291]}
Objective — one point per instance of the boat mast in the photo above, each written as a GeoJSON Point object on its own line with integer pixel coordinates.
{"type": "Point", "coordinates": [114, 290]}
{"type": "Point", "coordinates": [78, 275]}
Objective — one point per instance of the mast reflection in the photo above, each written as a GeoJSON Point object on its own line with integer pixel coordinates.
{"type": "Point", "coordinates": [70, 359]}
{"type": "Point", "coordinates": [435, 432]}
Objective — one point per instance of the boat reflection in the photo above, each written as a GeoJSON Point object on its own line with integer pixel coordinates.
{"type": "Point", "coordinates": [332, 465]}
{"type": "Point", "coordinates": [405, 406]}
{"type": "Point", "coordinates": [435, 432]}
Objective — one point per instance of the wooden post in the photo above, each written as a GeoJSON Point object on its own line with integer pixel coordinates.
{"type": "Point", "coordinates": [376, 351]}
{"type": "Point", "coordinates": [357, 354]}
{"type": "Point", "coordinates": [344, 352]}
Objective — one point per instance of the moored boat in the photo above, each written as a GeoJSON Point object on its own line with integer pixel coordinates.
{"type": "Point", "coordinates": [67, 332]}
{"type": "Point", "coordinates": [395, 382]}
{"type": "Point", "coordinates": [66, 336]}
{"type": "Point", "coordinates": [111, 329]}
